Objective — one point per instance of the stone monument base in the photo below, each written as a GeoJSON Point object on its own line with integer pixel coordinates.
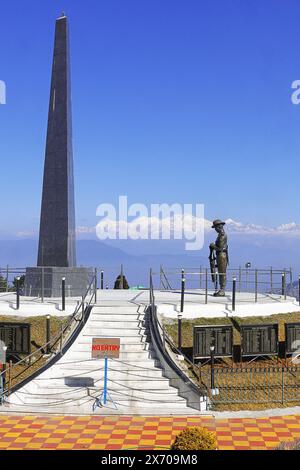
{"type": "Point", "coordinates": [47, 281]}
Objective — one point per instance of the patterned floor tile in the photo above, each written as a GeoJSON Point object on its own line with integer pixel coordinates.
{"type": "Point", "coordinates": [138, 432]}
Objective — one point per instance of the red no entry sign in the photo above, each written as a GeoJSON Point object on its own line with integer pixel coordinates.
{"type": "Point", "coordinates": [105, 347]}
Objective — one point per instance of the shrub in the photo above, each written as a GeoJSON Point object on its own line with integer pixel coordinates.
{"type": "Point", "coordinates": [195, 438]}
{"type": "Point", "coordinates": [291, 445]}
{"type": "Point", "coordinates": [118, 282]}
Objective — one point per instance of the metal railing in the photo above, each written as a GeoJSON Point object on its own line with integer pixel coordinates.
{"type": "Point", "coordinates": [255, 281]}
{"type": "Point", "coordinates": [55, 346]}
{"type": "Point", "coordinates": [106, 277]}
{"type": "Point", "coordinates": [37, 283]}
{"type": "Point", "coordinates": [167, 341]}
{"type": "Point", "coordinates": [254, 384]}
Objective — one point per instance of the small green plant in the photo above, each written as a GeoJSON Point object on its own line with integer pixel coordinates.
{"type": "Point", "coordinates": [21, 282]}
{"type": "Point", "coordinates": [290, 445]}
{"type": "Point", "coordinates": [195, 438]}
{"type": "Point", "coordinates": [3, 284]}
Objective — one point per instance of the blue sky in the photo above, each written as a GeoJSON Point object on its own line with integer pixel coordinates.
{"type": "Point", "coordinates": [173, 101]}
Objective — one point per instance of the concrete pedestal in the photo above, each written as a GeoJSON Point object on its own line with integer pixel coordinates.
{"type": "Point", "coordinates": [47, 281]}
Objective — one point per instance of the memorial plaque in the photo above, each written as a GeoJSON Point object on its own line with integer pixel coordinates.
{"type": "Point", "coordinates": [292, 337]}
{"type": "Point", "coordinates": [259, 340]}
{"type": "Point", "coordinates": [205, 336]}
{"type": "Point", "coordinates": [106, 347]}
{"type": "Point", "coordinates": [16, 337]}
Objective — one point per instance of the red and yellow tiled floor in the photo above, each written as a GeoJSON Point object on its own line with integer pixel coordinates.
{"type": "Point", "coordinates": [135, 432]}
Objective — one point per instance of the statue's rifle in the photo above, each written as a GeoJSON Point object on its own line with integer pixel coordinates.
{"type": "Point", "coordinates": [213, 267]}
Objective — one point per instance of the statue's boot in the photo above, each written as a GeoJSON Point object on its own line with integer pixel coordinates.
{"type": "Point", "coordinates": [220, 293]}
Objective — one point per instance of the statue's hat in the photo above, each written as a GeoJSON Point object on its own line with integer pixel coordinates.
{"type": "Point", "coordinates": [217, 222]}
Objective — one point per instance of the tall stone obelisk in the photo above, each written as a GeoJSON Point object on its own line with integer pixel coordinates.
{"type": "Point", "coordinates": [57, 223]}
{"type": "Point", "coordinates": [57, 249]}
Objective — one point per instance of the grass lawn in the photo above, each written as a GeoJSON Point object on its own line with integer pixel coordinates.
{"type": "Point", "coordinates": [240, 382]}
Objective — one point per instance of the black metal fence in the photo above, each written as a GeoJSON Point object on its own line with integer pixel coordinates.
{"type": "Point", "coordinates": [9, 275]}
{"type": "Point", "coordinates": [252, 281]}
{"type": "Point", "coordinates": [253, 384]}
{"type": "Point", "coordinates": [271, 280]}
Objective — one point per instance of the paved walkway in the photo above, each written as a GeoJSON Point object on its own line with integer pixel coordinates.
{"type": "Point", "coordinates": [168, 303]}
{"type": "Point", "coordinates": [34, 306]}
{"type": "Point", "coordinates": [136, 432]}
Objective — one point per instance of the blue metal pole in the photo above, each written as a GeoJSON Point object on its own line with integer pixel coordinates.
{"type": "Point", "coordinates": [105, 381]}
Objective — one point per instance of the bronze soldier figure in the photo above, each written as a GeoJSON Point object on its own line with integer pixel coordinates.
{"type": "Point", "coordinates": [220, 260]}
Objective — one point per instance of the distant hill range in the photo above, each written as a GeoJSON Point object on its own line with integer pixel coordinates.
{"type": "Point", "coordinates": [23, 252]}
{"type": "Point", "coordinates": [138, 256]}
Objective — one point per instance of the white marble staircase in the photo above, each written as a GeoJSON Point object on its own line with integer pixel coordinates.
{"type": "Point", "coordinates": [135, 381]}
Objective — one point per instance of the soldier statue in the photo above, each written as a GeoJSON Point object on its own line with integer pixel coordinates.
{"type": "Point", "coordinates": [218, 258]}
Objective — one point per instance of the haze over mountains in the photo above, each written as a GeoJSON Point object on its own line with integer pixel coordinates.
{"type": "Point", "coordinates": [262, 246]}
